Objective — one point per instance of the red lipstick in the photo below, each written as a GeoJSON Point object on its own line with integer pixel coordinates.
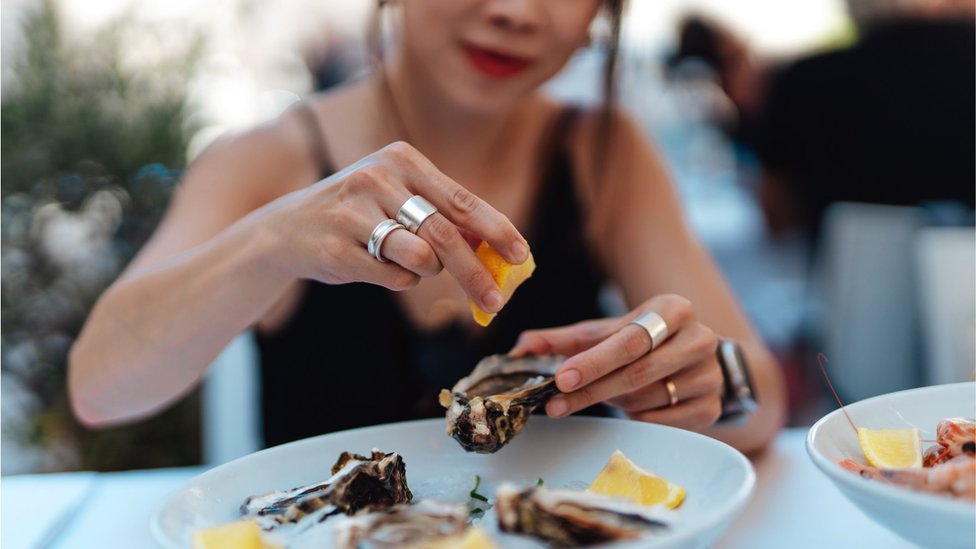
{"type": "Point", "coordinates": [494, 63]}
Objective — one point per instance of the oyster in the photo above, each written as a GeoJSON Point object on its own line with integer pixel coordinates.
{"type": "Point", "coordinates": [568, 518]}
{"type": "Point", "coordinates": [486, 409]}
{"type": "Point", "coordinates": [357, 483]}
{"type": "Point", "coordinates": [403, 526]}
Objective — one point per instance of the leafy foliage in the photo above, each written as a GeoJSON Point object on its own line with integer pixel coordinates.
{"type": "Point", "coordinates": [91, 151]}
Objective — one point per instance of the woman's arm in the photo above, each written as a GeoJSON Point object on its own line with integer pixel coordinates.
{"type": "Point", "coordinates": [207, 273]}
{"type": "Point", "coordinates": [673, 376]}
{"type": "Point", "coordinates": [651, 251]}
{"type": "Point", "coordinates": [230, 246]}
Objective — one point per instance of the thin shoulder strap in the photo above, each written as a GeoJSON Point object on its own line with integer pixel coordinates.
{"type": "Point", "coordinates": [316, 140]}
{"type": "Point", "coordinates": [561, 128]}
{"type": "Point", "coordinates": [554, 146]}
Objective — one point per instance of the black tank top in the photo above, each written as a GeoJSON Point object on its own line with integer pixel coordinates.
{"type": "Point", "coordinates": [349, 357]}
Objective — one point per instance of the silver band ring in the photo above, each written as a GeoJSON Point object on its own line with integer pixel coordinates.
{"type": "Point", "coordinates": [379, 234]}
{"type": "Point", "coordinates": [414, 212]}
{"type": "Point", "coordinates": [655, 326]}
{"type": "Point", "coordinates": [672, 391]}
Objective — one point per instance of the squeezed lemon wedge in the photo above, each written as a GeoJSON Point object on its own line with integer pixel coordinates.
{"type": "Point", "coordinates": [891, 448]}
{"type": "Point", "coordinates": [245, 534]}
{"type": "Point", "coordinates": [507, 276]}
{"type": "Point", "coordinates": [622, 477]}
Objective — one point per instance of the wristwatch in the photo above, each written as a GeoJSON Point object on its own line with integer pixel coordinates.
{"type": "Point", "coordinates": [740, 398]}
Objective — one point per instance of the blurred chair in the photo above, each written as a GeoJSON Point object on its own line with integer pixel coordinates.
{"type": "Point", "coordinates": [946, 265]}
{"type": "Point", "coordinates": [231, 422]}
{"type": "Point", "coordinates": [866, 275]}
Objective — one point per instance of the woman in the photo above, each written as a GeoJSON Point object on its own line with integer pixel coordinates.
{"type": "Point", "coordinates": [264, 233]}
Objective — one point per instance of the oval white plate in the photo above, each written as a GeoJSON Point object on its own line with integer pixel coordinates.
{"type": "Point", "coordinates": [927, 519]}
{"type": "Point", "coordinates": [565, 453]}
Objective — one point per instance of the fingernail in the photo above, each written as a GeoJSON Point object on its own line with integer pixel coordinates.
{"type": "Point", "coordinates": [567, 379]}
{"type": "Point", "coordinates": [493, 301]}
{"type": "Point", "coordinates": [520, 252]}
{"type": "Point", "coordinates": [557, 407]}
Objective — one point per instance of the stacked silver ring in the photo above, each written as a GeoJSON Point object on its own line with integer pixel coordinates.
{"type": "Point", "coordinates": [379, 234]}
{"type": "Point", "coordinates": [655, 326]}
{"type": "Point", "coordinates": [414, 212]}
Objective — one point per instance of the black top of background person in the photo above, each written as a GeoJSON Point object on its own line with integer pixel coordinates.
{"type": "Point", "coordinates": [890, 120]}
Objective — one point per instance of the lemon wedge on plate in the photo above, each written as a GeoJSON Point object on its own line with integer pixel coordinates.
{"type": "Point", "coordinates": [507, 276]}
{"type": "Point", "coordinates": [473, 538]}
{"type": "Point", "coordinates": [623, 478]}
{"type": "Point", "coordinates": [244, 534]}
{"type": "Point", "coordinates": [891, 448]}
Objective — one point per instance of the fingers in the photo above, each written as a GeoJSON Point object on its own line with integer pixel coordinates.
{"type": "Point", "coordinates": [376, 187]}
{"type": "Point", "coordinates": [624, 346]}
{"type": "Point", "coordinates": [388, 275]}
{"type": "Point", "coordinates": [411, 252]}
{"type": "Point", "coordinates": [565, 340]}
{"type": "Point", "coordinates": [458, 259]}
{"type": "Point", "coordinates": [695, 414]}
{"type": "Point", "coordinates": [460, 206]}
{"type": "Point", "coordinates": [702, 380]}
{"type": "Point", "coordinates": [689, 361]}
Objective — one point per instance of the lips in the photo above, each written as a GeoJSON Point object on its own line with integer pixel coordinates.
{"type": "Point", "coordinates": [494, 63]}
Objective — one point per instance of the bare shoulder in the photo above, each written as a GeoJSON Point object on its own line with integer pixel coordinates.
{"type": "Point", "coordinates": [614, 134]}
{"type": "Point", "coordinates": [258, 164]}
{"type": "Point", "coordinates": [615, 163]}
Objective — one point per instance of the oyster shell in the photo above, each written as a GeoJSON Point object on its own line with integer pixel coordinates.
{"type": "Point", "coordinates": [569, 518]}
{"type": "Point", "coordinates": [486, 409]}
{"type": "Point", "coordinates": [402, 526]}
{"type": "Point", "coordinates": [357, 483]}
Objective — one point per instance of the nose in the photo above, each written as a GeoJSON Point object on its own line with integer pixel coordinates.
{"type": "Point", "coordinates": [515, 15]}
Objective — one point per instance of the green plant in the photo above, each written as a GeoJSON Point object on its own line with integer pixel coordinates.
{"type": "Point", "coordinates": [92, 146]}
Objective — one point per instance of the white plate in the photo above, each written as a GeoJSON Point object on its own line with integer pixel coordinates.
{"type": "Point", "coordinates": [564, 453]}
{"type": "Point", "coordinates": [927, 519]}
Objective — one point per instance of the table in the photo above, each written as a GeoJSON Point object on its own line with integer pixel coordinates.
{"type": "Point", "coordinates": [794, 504]}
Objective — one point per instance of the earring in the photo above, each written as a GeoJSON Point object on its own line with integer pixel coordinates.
{"type": "Point", "coordinates": [599, 32]}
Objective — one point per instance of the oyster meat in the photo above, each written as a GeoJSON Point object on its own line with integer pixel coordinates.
{"type": "Point", "coordinates": [403, 526]}
{"type": "Point", "coordinates": [357, 483]}
{"type": "Point", "coordinates": [486, 409]}
{"type": "Point", "coordinates": [568, 518]}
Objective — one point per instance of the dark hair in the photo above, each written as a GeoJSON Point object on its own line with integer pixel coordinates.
{"type": "Point", "coordinates": [697, 39]}
{"type": "Point", "coordinates": [614, 11]}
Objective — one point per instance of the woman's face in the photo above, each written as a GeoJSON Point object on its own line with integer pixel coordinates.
{"type": "Point", "coordinates": [486, 54]}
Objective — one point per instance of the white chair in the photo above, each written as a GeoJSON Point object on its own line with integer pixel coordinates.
{"type": "Point", "coordinates": [231, 422]}
{"type": "Point", "coordinates": [866, 274]}
{"type": "Point", "coordinates": [946, 266]}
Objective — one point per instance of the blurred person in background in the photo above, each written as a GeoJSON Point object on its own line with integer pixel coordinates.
{"type": "Point", "coordinates": [270, 228]}
{"type": "Point", "coordinates": [889, 120]}
{"type": "Point", "coordinates": [736, 71]}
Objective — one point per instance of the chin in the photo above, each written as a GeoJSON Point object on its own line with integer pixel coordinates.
{"type": "Point", "coordinates": [477, 94]}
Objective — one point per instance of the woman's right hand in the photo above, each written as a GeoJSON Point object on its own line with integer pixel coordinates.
{"type": "Point", "coordinates": [324, 229]}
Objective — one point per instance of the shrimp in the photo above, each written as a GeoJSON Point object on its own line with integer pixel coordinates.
{"type": "Point", "coordinates": [955, 436]}
{"type": "Point", "coordinates": [955, 477]}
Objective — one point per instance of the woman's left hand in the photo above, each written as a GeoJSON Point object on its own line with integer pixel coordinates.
{"type": "Point", "coordinates": [611, 360]}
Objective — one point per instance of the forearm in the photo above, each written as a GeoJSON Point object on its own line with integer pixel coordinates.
{"type": "Point", "coordinates": [151, 336]}
{"type": "Point", "coordinates": [756, 433]}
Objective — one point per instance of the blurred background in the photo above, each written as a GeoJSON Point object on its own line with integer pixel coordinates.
{"type": "Point", "coordinates": [824, 151]}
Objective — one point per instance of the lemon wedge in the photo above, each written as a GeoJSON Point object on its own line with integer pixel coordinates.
{"type": "Point", "coordinates": [622, 477]}
{"type": "Point", "coordinates": [507, 276]}
{"type": "Point", "coordinates": [891, 448]}
{"type": "Point", "coordinates": [473, 538]}
{"type": "Point", "coordinates": [245, 534]}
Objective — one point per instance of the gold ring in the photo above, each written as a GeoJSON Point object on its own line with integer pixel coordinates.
{"type": "Point", "coordinates": [672, 391]}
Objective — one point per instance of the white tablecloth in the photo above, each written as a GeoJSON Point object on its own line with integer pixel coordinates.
{"type": "Point", "coordinates": [794, 505]}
